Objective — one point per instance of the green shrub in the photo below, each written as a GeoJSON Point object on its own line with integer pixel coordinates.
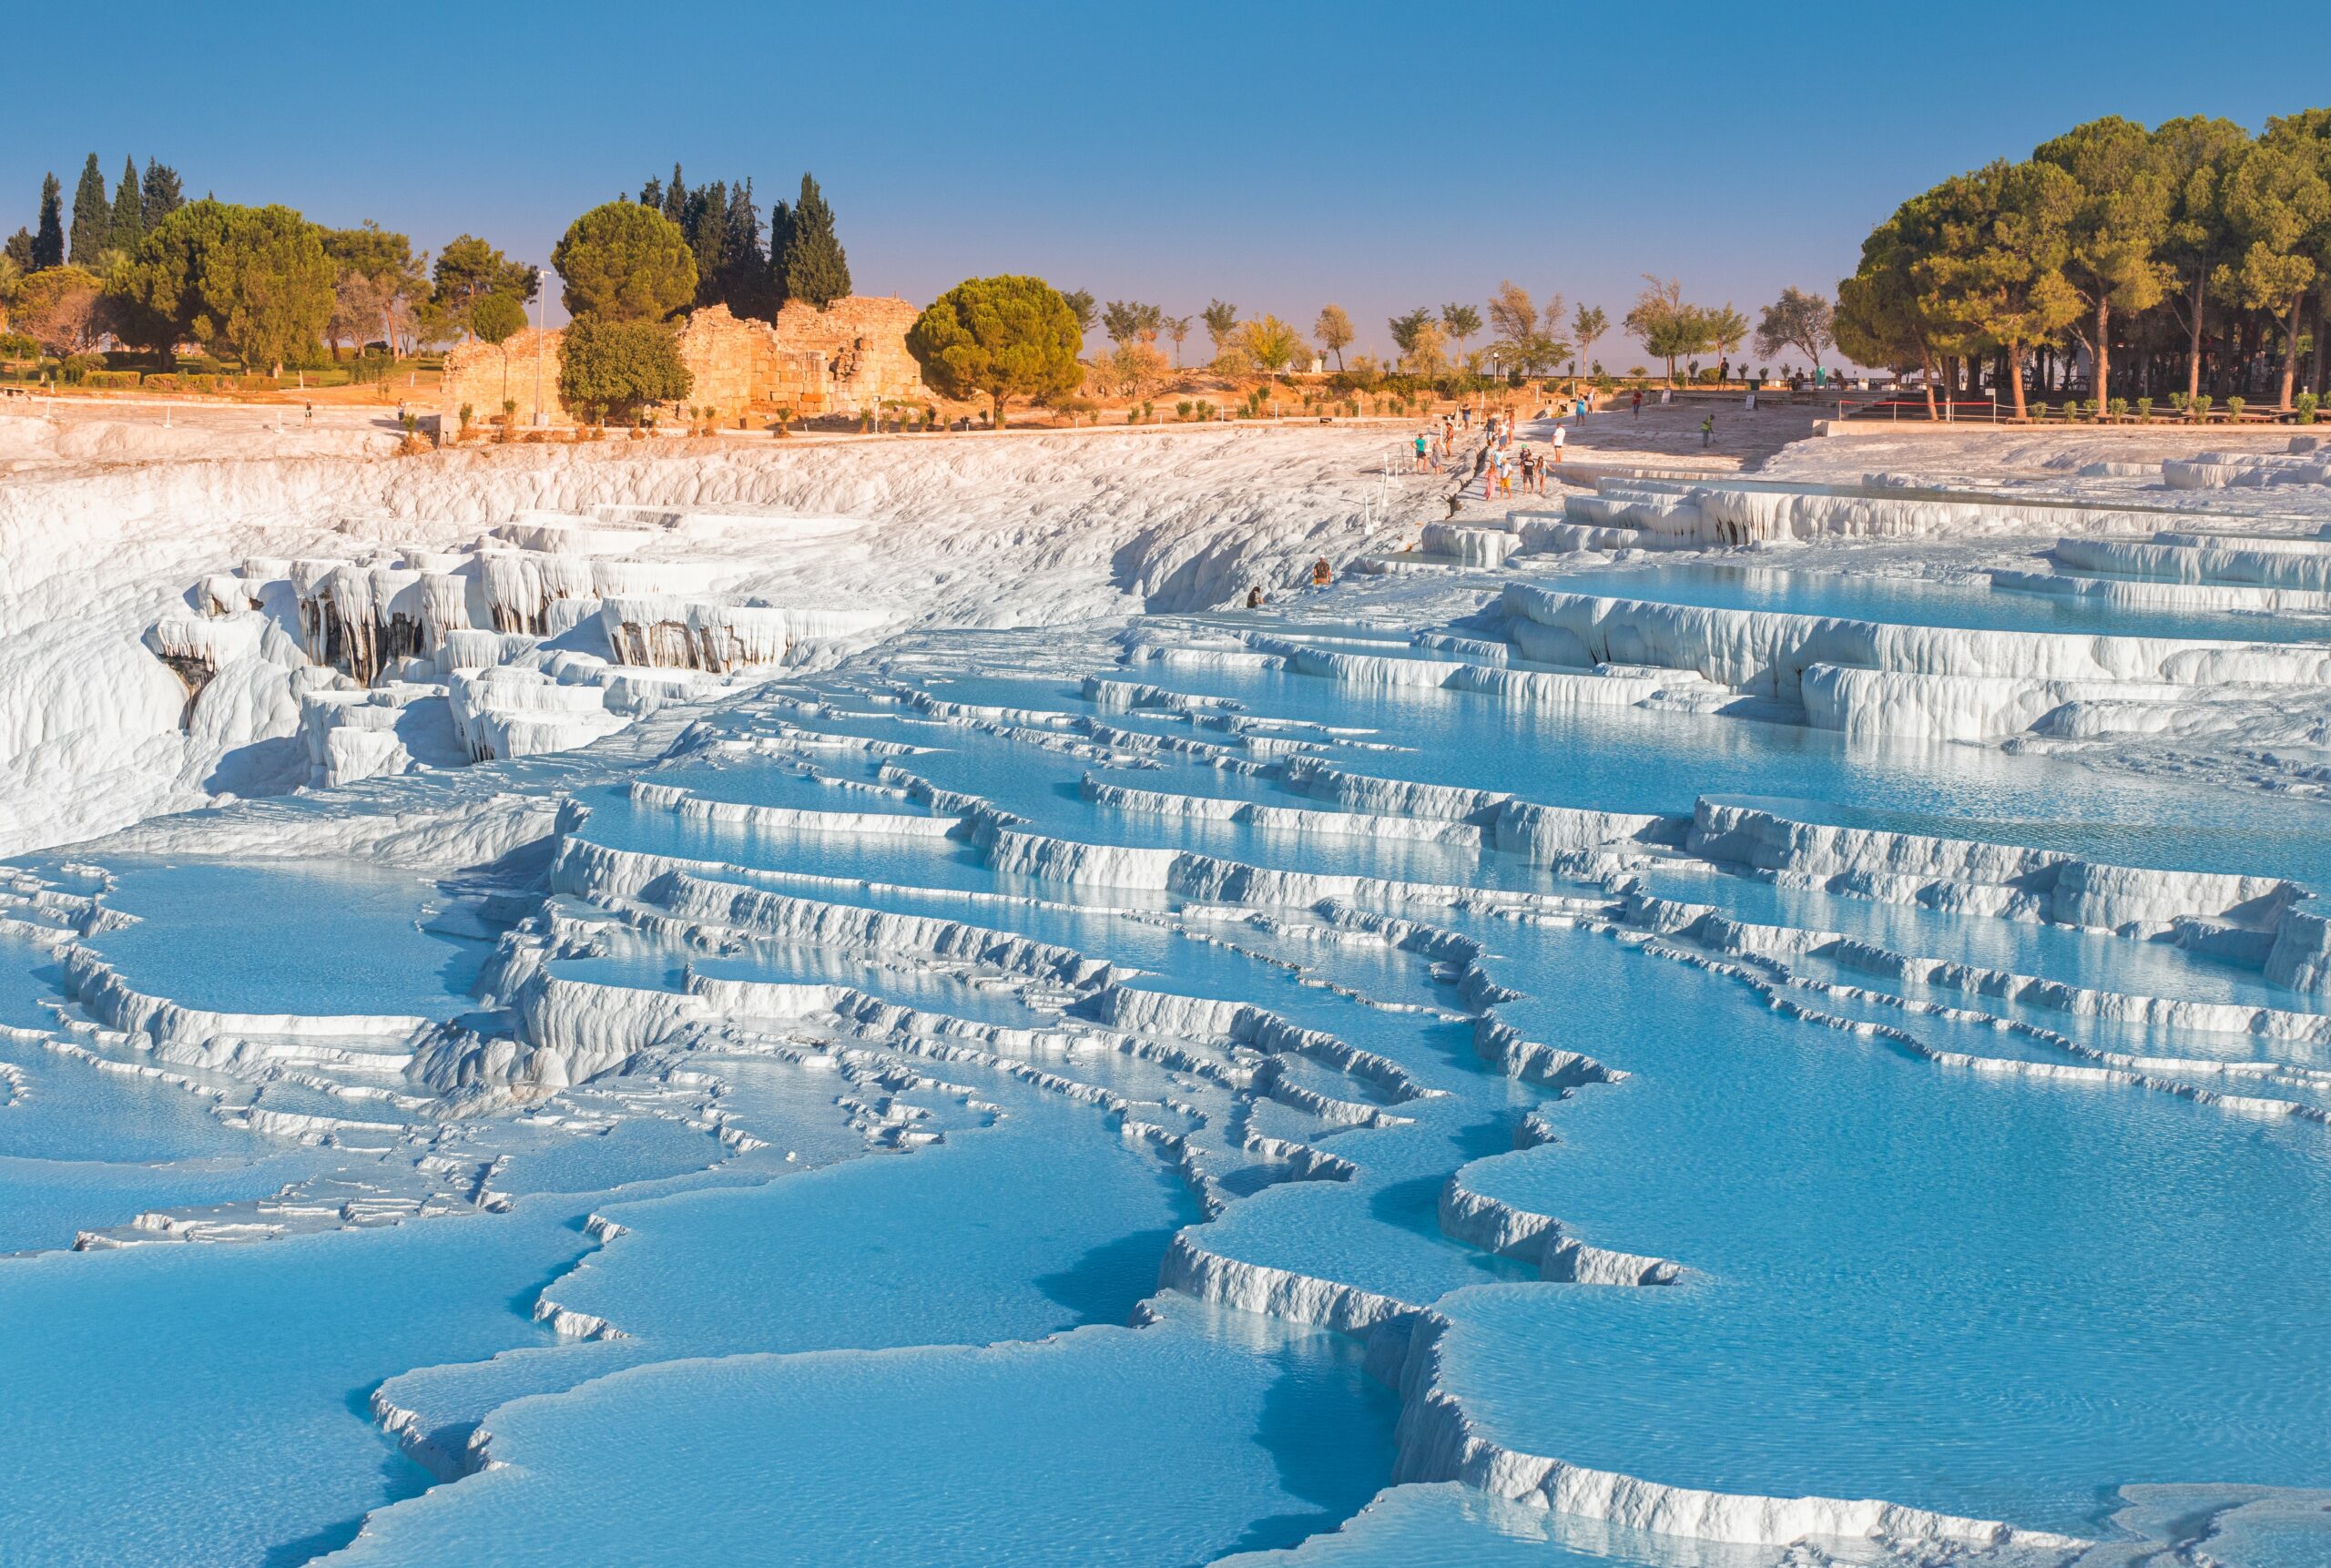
{"type": "Point", "coordinates": [2179, 401]}
{"type": "Point", "coordinates": [2235, 406]}
{"type": "Point", "coordinates": [2144, 407]}
{"type": "Point", "coordinates": [162, 381]}
{"type": "Point", "coordinates": [2202, 405]}
{"type": "Point", "coordinates": [17, 346]}
{"type": "Point", "coordinates": [204, 382]}
{"type": "Point", "coordinates": [2306, 404]}
{"type": "Point", "coordinates": [2118, 408]}
{"type": "Point", "coordinates": [623, 364]}
{"type": "Point", "coordinates": [112, 380]}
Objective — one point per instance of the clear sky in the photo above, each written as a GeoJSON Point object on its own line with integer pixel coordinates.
{"type": "Point", "coordinates": [1274, 154]}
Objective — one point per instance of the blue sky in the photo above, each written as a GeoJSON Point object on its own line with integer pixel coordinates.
{"type": "Point", "coordinates": [1277, 156]}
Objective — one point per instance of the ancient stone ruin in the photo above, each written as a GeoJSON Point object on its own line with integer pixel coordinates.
{"type": "Point", "coordinates": [847, 359]}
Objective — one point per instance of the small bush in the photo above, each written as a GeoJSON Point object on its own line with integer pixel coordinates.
{"type": "Point", "coordinates": [118, 381]}
{"type": "Point", "coordinates": [2144, 407]}
{"type": "Point", "coordinates": [2179, 402]}
{"type": "Point", "coordinates": [2235, 406]}
{"type": "Point", "coordinates": [2306, 403]}
{"type": "Point", "coordinates": [2118, 407]}
{"type": "Point", "coordinates": [2202, 405]}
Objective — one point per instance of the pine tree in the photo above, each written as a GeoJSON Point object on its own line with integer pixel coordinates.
{"type": "Point", "coordinates": [128, 210]}
{"type": "Point", "coordinates": [815, 268]}
{"type": "Point", "coordinates": [19, 250]}
{"type": "Point", "coordinates": [92, 215]}
{"type": "Point", "coordinates": [48, 242]}
{"type": "Point", "coordinates": [161, 194]}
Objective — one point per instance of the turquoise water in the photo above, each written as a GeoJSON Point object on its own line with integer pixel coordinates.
{"type": "Point", "coordinates": [1910, 601]}
{"type": "Point", "coordinates": [918, 1284]}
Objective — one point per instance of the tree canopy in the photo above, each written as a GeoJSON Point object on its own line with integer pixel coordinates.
{"type": "Point", "coordinates": [625, 262]}
{"type": "Point", "coordinates": [251, 281]}
{"type": "Point", "coordinates": [497, 317]}
{"type": "Point", "coordinates": [48, 239]}
{"type": "Point", "coordinates": [1667, 326]}
{"type": "Point", "coordinates": [2119, 239]}
{"type": "Point", "coordinates": [92, 234]}
{"type": "Point", "coordinates": [608, 366]}
{"type": "Point", "coordinates": [1799, 321]}
{"type": "Point", "coordinates": [126, 221]}
{"type": "Point", "coordinates": [1130, 321]}
{"type": "Point", "coordinates": [61, 308]}
{"type": "Point", "coordinates": [1001, 337]}
{"type": "Point", "coordinates": [1272, 344]}
{"type": "Point", "coordinates": [812, 267]}
{"type": "Point", "coordinates": [1333, 329]}
{"type": "Point", "coordinates": [1221, 319]}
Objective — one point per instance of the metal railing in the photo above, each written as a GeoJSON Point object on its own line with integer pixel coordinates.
{"type": "Point", "coordinates": [1943, 409]}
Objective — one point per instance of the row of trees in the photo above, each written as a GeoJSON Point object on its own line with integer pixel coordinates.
{"type": "Point", "coordinates": [265, 286]}
{"type": "Point", "coordinates": [751, 268]}
{"type": "Point", "coordinates": [2197, 248]}
{"type": "Point", "coordinates": [1525, 338]}
{"type": "Point", "coordinates": [629, 266]}
{"type": "Point", "coordinates": [1523, 335]}
{"type": "Point", "coordinates": [102, 227]}
{"type": "Point", "coordinates": [258, 284]}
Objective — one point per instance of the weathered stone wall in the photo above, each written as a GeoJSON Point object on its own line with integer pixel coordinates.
{"type": "Point", "coordinates": [844, 360]}
{"type": "Point", "coordinates": [481, 375]}
{"type": "Point", "coordinates": [864, 345]}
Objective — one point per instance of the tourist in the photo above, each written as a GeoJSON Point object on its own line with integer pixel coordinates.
{"type": "Point", "coordinates": [1724, 370]}
{"type": "Point", "coordinates": [1529, 469]}
{"type": "Point", "coordinates": [1320, 575]}
{"type": "Point", "coordinates": [1638, 402]}
{"type": "Point", "coordinates": [1581, 411]}
{"type": "Point", "coordinates": [1254, 597]}
{"type": "Point", "coordinates": [1420, 451]}
{"type": "Point", "coordinates": [1562, 439]}
{"type": "Point", "coordinates": [1707, 430]}
{"type": "Point", "coordinates": [311, 412]}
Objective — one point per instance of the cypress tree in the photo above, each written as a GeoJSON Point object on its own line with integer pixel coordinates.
{"type": "Point", "coordinates": [160, 195]}
{"type": "Point", "coordinates": [707, 226]}
{"type": "Point", "coordinates": [815, 268]}
{"type": "Point", "coordinates": [745, 283]}
{"type": "Point", "coordinates": [781, 243]}
{"type": "Point", "coordinates": [128, 210]}
{"type": "Point", "coordinates": [48, 241]}
{"type": "Point", "coordinates": [92, 215]}
{"type": "Point", "coordinates": [676, 198]}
